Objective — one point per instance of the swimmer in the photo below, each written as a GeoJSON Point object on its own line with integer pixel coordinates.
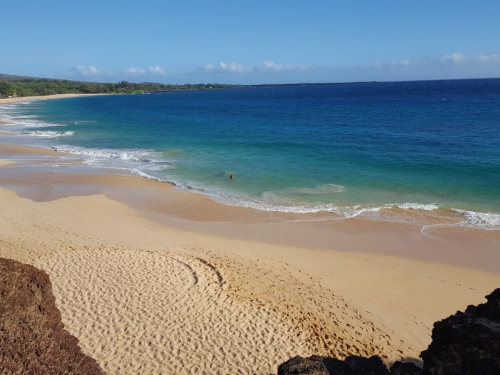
{"type": "Point", "coordinates": [231, 177]}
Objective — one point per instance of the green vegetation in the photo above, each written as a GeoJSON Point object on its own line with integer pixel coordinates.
{"type": "Point", "coordinates": [36, 87]}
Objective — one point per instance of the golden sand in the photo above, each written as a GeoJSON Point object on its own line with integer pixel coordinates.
{"type": "Point", "coordinates": [42, 97]}
{"type": "Point", "coordinates": [151, 294]}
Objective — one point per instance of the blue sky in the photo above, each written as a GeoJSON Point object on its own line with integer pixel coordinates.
{"type": "Point", "coordinates": [251, 42]}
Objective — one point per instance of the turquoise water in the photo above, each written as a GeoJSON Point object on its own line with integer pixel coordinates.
{"type": "Point", "coordinates": [344, 149]}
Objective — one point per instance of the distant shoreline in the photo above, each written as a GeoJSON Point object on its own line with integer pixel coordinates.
{"type": "Point", "coordinates": [44, 97]}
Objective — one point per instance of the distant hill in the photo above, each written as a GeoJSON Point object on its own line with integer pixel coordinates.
{"type": "Point", "coordinates": [9, 77]}
{"type": "Point", "coordinates": [14, 78]}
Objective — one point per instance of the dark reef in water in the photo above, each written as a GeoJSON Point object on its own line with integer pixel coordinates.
{"type": "Point", "coordinates": [467, 343]}
{"type": "Point", "coordinates": [32, 337]}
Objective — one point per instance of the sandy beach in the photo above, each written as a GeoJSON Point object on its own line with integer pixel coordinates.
{"type": "Point", "coordinates": [41, 97]}
{"type": "Point", "coordinates": [190, 286]}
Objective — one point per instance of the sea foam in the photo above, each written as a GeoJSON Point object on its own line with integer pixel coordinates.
{"type": "Point", "coordinates": [418, 206]}
{"type": "Point", "coordinates": [47, 133]}
{"type": "Point", "coordinates": [317, 190]}
{"type": "Point", "coordinates": [481, 220]}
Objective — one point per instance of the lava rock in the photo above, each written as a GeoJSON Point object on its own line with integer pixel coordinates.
{"type": "Point", "coordinates": [317, 365]}
{"type": "Point", "coordinates": [32, 337]}
{"type": "Point", "coordinates": [306, 366]}
{"type": "Point", "coordinates": [405, 368]}
{"type": "Point", "coordinates": [466, 343]}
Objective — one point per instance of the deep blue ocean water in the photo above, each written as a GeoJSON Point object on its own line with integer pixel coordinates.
{"type": "Point", "coordinates": [344, 149]}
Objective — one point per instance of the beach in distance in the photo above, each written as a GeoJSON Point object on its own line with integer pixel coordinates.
{"type": "Point", "coordinates": [355, 217]}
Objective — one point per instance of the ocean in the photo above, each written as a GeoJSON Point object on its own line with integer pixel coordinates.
{"type": "Point", "coordinates": [373, 150]}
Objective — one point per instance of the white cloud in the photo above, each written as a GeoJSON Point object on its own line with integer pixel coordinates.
{"type": "Point", "coordinates": [491, 57]}
{"type": "Point", "coordinates": [454, 57]}
{"type": "Point", "coordinates": [154, 70]}
{"type": "Point", "coordinates": [231, 67]}
{"type": "Point", "coordinates": [400, 63]}
{"type": "Point", "coordinates": [267, 66]}
{"type": "Point", "coordinates": [87, 70]}
{"type": "Point", "coordinates": [271, 65]}
{"type": "Point", "coordinates": [133, 71]}
{"type": "Point", "coordinates": [456, 65]}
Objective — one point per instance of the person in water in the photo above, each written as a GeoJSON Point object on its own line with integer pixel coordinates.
{"type": "Point", "coordinates": [231, 177]}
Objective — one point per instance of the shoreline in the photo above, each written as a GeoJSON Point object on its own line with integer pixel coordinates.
{"type": "Point", "coordinates": [162, 202]}
{"type": "Point", "coordinates": [431, 217]}
{"type": "Point", "coordinates": [43, 97]}
{"type": "Point", "coordinates": [371, 303]}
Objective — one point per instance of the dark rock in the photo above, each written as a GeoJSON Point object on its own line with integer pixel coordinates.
{"type": "Point", "coordinates": [32, 337]}
{"type": "Point", "coordinates": [307, 366]}
{"type": "Point", "coordinates": [405, 368]}
{"type": "Point", "coordinates": [317, 365]}
{"type": "Point", "coordinates": [357, 365]}
{"type": "Point", "coordinates": [466, 343]}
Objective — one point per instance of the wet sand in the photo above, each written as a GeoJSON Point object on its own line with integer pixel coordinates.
{"type": "Point", "coordinates": [151, 279]}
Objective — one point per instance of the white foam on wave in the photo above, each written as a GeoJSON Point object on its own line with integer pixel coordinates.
{"type": "Point", "coordinates": [129, 155]}
{"type": "Point", "coordinates": [142, 174]}
{"type": "Point", "coordinates": [418, 206]}
{"type": "Point", "coordinates": [139, 162]}
{"type": "Point", "coordinates": [272, 203]}
{"type": "Point", "coordinates": [482, 220]}
{"type": "Point", "coordinates": [355, 211]}
{"type": "Point", "coordinates": [22, 123]}
{"type": "Point", "coordinates": [317, 190]}
{"type": "Point", "coordinates": [124, 156]}
{"type": "Point", "coordinates": [46, 133]}
{"type": "Point", "coordinates": [16, 116]}
{"type": "Point", "coordinates": [472, 220]}
{"type": "Point", "coordinates": [275, 205]}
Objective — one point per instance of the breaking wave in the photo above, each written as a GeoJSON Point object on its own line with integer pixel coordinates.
{"type": "Point", "coordinates": [47, 134]}
{"type": "Point", "coordinates": [482, 220]}
{"type": "Point", "coordinates": [418, 206]}
{"type": "Point", "coordinates": [318, 190]}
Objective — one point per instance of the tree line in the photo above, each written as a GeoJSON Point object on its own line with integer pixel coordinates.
{"type": "Point", "coordinates": [37, 87]}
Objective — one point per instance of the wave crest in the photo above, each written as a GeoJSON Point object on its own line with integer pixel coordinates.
{"type": "Point", "coordinates": [418, 206]}
{"type": "Point", "coordinates": [318, 190]}
{"type": "Point", "coordinates": [482, 220]}
{"type": "Point", "coordinates": [47, 133]}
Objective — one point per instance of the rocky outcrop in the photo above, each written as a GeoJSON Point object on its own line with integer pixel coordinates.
{"type": "Point", "coordinates": [352, 365]}
{"type": "Point", "coordinates": [297, 365]}
{"type": "Point", "coordinates": [405, 368]}
{"type": "Point", "coordinates": [32, 337]}
{"type": "Point", "coordinates": [466, 343]}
